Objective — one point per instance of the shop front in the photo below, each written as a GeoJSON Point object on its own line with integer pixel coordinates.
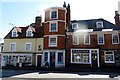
{"type": "Point", "coordinates": [16, 60]}
{"type": "Point", "coordinates": [53, 58]}
{"type": "Point", "coordinates": [89, 57]}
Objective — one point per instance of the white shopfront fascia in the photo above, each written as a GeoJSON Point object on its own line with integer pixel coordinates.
{"type": "Point", "coordinates": [90, 56]}
{"type": "Point", "coordinates": [56, 57]}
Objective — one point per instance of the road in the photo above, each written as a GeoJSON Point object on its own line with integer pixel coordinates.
{"type": "Point", "coordinates": [51, 75]}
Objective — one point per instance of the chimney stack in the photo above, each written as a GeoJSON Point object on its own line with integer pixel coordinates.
{"type": "Point", "coordinates": [38, 21]}
{"type": "Point", "coordinates": [117, 18]}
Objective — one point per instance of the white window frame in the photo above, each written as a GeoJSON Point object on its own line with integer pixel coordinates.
{"type": "Point", "coordinates": [112, 38]}
{"type": "Point", "coordinates": [77, 39]}
{"type": "Point", "coordinates": [99, 22]}
{"type": "Point", "coordinates": [51, 13]}
{"type": "Point", "coordinates": [85, 40]}
{"type": "Point", "coordinates": [103, 39]}
{"type": "Point", "coordinates": [15, 34]}
{"type": "Point", "coordinates": [76, 25]}
{"type": "Point", "coordinates": [62, 58]}
{"type": "Point", "coordinates": [30, 46]}
{"type": "Point", "coordinates": [50, 44]}
{"type": "Point", "coordinates": [56, 26]}
{"type": "Point", "coordinates": [11, 46]}
{"type": "Point", "coordinates": [31, 34]}
{"type": "Point", "coordinates": [109, 54]}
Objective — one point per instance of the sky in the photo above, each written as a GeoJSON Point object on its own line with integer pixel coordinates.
{"type": "Point", "coordinates": [23, 12]}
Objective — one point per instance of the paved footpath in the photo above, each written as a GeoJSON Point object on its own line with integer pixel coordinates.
{"type": "Point", "coordinates": [67, 76]}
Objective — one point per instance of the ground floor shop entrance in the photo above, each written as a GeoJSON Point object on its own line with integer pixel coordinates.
{"type": "Point", "coordinates": [85, 57]}
{"type": "Point", "coordinates": [54, 58]}
{"type": "Point", "coordinates": [16, 60]}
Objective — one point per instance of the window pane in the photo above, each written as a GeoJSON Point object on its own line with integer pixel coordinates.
{"type": "Point", "coordinates": [87, 39]}
{"type": "Point", "coordinates": [115, 38]}
{"type": "Point", "coordinates": [12, 47]}
{"type": "Point", "coordinates": [75, 40]}
{"type": "Point", "coordinates": [109, 57]}
{"type": "Point", "coordinates": [14, 34]}
{"type": "Point", "coordinates": [60, 57]}
{"type": "Point", "coordinates": [28, 47]}
{"type": "Point", "coordinates": [80, 57]}
{"type": "Point", "coordinates": [53, 27]}
{"type": "Point", "coordinates": [101, 39]}
{"type": "Point", "coordinates": [54, 14]}
{"type": "Point", "coordinates": [45, 56]}
{"type": "Point", "coordinates": [53, 41]}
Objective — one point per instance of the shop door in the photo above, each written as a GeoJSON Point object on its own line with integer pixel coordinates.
{"type": "Point", "coordinates": [52, 59]}
{"type": "Point", "coordinates": [39, 57]}
{"type": "Point", "coordinates": [94, 60]}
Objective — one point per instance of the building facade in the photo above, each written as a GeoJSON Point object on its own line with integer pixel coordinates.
{"type": "Point", "coordinates": [93, 43]}
{"type": "Point", "coordinates": [54, 37]}
{"type": "Point", "coordinates": [23, 46]}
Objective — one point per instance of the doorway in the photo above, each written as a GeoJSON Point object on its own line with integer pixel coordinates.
{"type": "Point", "coordinates": [39, 58]}
{"type": "Point", "coordinates": [52, 59]}
{"type": "Point", "coordinates": [94, 60]}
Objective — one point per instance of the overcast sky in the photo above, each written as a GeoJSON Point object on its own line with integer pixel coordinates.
{"type": "Point", "coordinates": [23, 12]}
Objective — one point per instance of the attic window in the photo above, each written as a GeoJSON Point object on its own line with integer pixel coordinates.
{"type": "Point", "coordinates": [99, 24]}
{"type": "Point", "coordinates": [29, 33]}
{"type": "Point", "coordinates": [14, 34]}
{"type": "Point", "coordinates": [74, 25]}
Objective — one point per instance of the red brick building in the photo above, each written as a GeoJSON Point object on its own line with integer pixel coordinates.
{"type": "Point", "coordinates": [93, 43]}
{"type": "Point", "coordinates": [54, 37]}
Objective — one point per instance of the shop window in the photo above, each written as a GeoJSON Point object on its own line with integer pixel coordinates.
{"type": "Point", "coordinates": [46, 57]}
{"type": "Point", "coordinates": [109, 57]}
{"type": "Point", "coordinates": [12, 46]}
{"type": "Point", "coordinates": [60, 57]}
{"type": "Point", "coordinates": [115, 39]}
{"type": "Point", "coordinates": [101, 39]}
{"type": "Point", "coordinates": [80, 57]}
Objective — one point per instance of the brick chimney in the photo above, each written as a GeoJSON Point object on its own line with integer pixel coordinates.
{"type": "Point", "coordinates": [117, 18]}
{"type": "Point", "coordinates": [38, 21]}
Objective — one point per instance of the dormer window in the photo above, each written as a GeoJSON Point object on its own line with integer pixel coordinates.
{"type": "Point", "coordinates": [74, 25]}
{"type": "Point", "coordinates": [29, 33]}
{"type": "Point", "coordinates": [99, 24]}
{"type": "Point", "coordinates": [14, 34]}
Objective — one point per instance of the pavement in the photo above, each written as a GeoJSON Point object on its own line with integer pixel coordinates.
{"type": "Point", "coordinates": [29, 73]}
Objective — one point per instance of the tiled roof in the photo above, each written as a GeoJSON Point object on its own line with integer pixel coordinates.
{"type": "Point", "coordinates": [37, 32]}
{"type": "Point", "coordinates": [91, 24]}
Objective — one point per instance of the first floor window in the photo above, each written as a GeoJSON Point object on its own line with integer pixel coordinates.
{"type": "Point", "coordinates": [101, 39]}
{"type": "Point", "coordinates": [115, 38]}
{"type": "Point", "coordinates": [80, 57]}
{"type": "Point", "coordinates": [53, 41]}
{"type": "Point", "coordinates": [109, 57]}
{"type": "Point", "coordinates": [28, 47]}
{"type": "Point", "coordinates": [53, 27]}
{"type": "Point", "coordinates": [13, 47]}
{"type": "Point", "coordinates": [60, 57]}
{"type": "Point", "coordinates": [86, 39]}
{"type": "Point", "coordinates": [75, 40]}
